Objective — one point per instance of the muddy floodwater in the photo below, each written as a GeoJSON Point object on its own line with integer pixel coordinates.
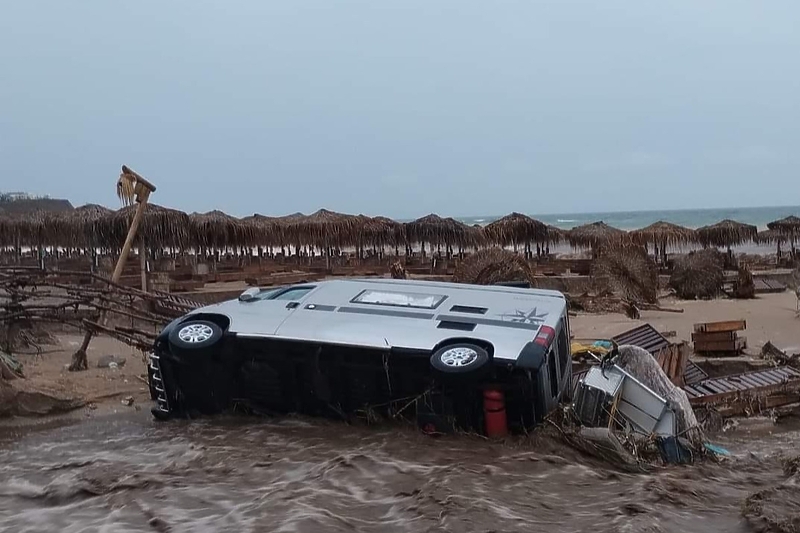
{"type": "Point", "coordinates": [126, 473]}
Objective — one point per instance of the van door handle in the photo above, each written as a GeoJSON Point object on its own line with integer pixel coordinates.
{"type": "Point", "coordinates": [292, 305]}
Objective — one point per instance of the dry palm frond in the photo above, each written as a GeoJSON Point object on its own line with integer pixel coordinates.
{"type": "Point", "coordinates": [126, 188]}
{"type": "Point", "coordinates": [493, 265]}
{"type": "Point", "coordinates": [630, 272]}
{"type": "Point", "coordinates": [726, 234]}
{"type": "Point", "coordinates": [698, 275]}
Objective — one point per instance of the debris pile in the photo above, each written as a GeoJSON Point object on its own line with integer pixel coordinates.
{"type": "Point", "coordinates": [627, 409]}
{"type": "Point", "coordinates": [494, 265]}
{"type": "Point", "coordinates": [698, 275]}
{"type": "Point", "coordinates": [32, 299]}
{"type": "Point", "coordinates": [744, 288]}
{"type": "Point", "coordinates": [629, 271]}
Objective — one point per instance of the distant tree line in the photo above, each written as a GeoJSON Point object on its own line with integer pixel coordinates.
{"type": "Point", "coordinates": [6, 197]}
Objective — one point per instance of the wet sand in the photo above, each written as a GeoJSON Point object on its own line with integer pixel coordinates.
{"type": "Point", "coordinates": [49, 388]}
{"type": "Point", "coordinates": [770, 317]}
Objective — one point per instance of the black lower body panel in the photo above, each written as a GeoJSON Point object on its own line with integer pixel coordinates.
{"type": "Point", "coordinates": [279, 377]}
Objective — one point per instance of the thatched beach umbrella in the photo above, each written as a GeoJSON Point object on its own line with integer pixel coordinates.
{"type": "Point", "coordinates": [726, 233]}
{"type": "Point", "coordinates": [161, 227]}
{"type": "Point", "coordinates": [81, 227]}
{"type": "Point", "coordinates": [790, 227]}
{"type": "Point", "coordinates": [216, 229]}
{"type": "Point", "coordinates": [662, 234]}
{"type": "Point", "coordinates": [555, 235]}
{"type": "Point", "coordinates": [326, 229]}
{"type": "Point", "coordinates": [6, 233]}
{"type": "Point", "coordinates": [593, 235]}
{"type": "Point", "coordinates": [772, 236]}
{"type": "Point", "coordinates": [380, 232]}
{"type": "Point", "coordinates": [516, 229]}
{"type": "Point", "coordinates": [439, 231]}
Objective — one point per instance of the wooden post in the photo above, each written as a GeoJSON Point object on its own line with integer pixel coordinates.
{"type": "Point", "coordinates": [143, 263]}
{"type": "Point", "coordinates": [143, 190]}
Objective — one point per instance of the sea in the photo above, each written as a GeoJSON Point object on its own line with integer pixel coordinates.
{"type": "Point", "coordinates": [631, 220]}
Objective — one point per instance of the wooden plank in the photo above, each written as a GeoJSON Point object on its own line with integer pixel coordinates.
{"type": "Point", "coordinates": [714, 327]}
{"type": "Point", "coordinates": [721, 346]}
{"type": "Point", "coordinates": [714, 337]}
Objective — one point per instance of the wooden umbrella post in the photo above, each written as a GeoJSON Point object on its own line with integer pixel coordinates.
{"type": "Point", "coordinates": [130, 187]}
{"type": "Point", "coordinates": [143, 263]}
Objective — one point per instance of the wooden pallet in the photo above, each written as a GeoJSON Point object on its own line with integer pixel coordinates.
{"type": "Point", "coordinates": [732, 345]}
{"type": "Point", "coordinates": [716, 327]}
{"type": "Point", "coordinates": [719, 339]}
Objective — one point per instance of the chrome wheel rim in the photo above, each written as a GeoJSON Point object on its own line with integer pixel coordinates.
{"type": "Point", "coordinates": [195, 333]}
{"type": "Point", "coordinates": [459, 357]}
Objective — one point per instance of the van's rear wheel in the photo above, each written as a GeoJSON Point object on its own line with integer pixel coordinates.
{"type": "Point", "coordinates": [460, 358]}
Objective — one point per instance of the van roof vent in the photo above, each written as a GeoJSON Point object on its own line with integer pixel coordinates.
{"type": "Point", "coordinates": [468, 309]}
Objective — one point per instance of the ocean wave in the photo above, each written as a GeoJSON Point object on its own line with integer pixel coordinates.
{"type": "Point", "coordinates": [564, 220]}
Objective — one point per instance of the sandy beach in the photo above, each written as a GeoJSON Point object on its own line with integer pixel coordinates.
{"type": "Point", "coordinates": [770, 317]}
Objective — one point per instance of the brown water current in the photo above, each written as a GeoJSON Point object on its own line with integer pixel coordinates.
{"type": "Point", "coordinates": [129, 473]}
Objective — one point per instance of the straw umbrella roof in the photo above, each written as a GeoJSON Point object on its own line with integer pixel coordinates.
{"type": "Point", "coordinates": [218, 229]}
{"type": "Point", "coordinates": [770, 236]}
{"type": "Point", "coordinates": [30, 228]}
{"type": "Point", "coordinates": [516, 228]}
{"type": "Point", "coordinates": [593, 235]}
{"type": "Point", "coordinates": [325, 228]}
{"type": "Point", "coordinates": [82, 226]}
{"type": "Point", "coordinates": [726, 233]}
{"type": "Point", "coordinates": [790, 224]}
{"type": "Point", "coordinates": [266, 230]}
{"type": "Point", "coordinates": [380, 231]}
{"type": "Point", "coordinates": [662, 233]}
{"type": "Point", "coordinates": [160, 226]}
{"type": "Point", "coordinates": [555, 235]}
{"type": "Point", "coordinates": [436, 230]}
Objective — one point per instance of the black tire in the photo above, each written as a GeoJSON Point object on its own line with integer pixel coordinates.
{"type": "Point", "coordinates": [205, 338]}
{"type": "Point", "coordinates": [459, 358]}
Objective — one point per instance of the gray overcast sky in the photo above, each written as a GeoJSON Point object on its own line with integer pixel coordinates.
{"type": "Point", "coordinates": [404, 107]}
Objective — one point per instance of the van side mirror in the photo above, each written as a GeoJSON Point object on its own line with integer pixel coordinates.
{"type": "Point", "coordinates": [249, 295]}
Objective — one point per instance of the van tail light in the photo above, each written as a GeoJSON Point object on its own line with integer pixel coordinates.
{"type": "Point", "coordinates": [545, 336]}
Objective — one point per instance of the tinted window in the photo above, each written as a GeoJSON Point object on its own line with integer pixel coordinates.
{"type": "Point", "coordinates": [564, 351]}
{"type": "Point", "coordinates": [553, 372]}
{"type": "Point", "coordinates": [292, 294]}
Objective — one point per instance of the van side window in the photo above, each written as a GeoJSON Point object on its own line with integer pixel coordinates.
{"type": "Point", "coordinates": [552, 371]}
{"type": "Point", "coordinates": [293, 293]}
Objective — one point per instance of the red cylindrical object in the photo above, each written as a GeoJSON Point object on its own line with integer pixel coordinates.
{"type": "Point", "coordinates": [494, 410]}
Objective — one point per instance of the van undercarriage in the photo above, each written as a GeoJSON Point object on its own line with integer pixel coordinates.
{"type": "Point", "coordinates": [275, 376]}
